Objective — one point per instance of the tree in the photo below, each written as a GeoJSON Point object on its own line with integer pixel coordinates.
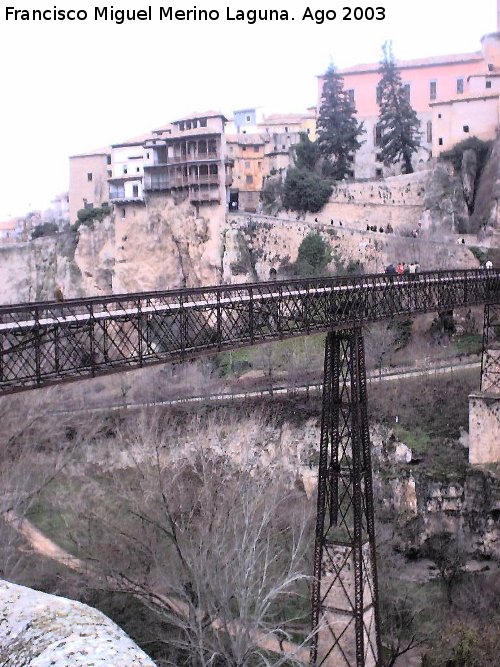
{"type": "Point", "coordinates": [337, 128]}
{"type": "Point", "coordinates": [314, 255]}
{"type": "Point", "coordinates": [306, 153]}
{"type": "Point", "coordinates": [449, 556]}
{"type": "Point", "coordinates": [304, 191]}
{"type": "Point", "coordinates": [398, 124]}
{"type": "Point", "coordinates": [215, 549]}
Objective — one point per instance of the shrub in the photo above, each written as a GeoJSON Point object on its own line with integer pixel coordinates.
{"type": "Point", "coordinates": [304, 191]}
{"type": "Point", "coordinates": [313, 257]}
{"type": "Point", "coordinates": [87, 216]}
{"type": "Point", "coordinates": [45, 229]}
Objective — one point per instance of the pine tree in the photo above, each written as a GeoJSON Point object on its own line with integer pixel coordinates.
{"type": "Point", "coordinates": [337, 127]}
{"type": "Point", "coordinates": [398, 124]}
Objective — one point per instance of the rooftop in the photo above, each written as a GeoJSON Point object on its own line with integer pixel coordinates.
{"type": "Point", "coordinates": [98, 151]}
{"type": "Point", "coordinates": [432, 61]}
{"type": "Point", "coordinates": [134, 141]}
{"type": "Point", "coordinates": [465, 98]}
{"type": "Point", "coordinates": [198, 114]}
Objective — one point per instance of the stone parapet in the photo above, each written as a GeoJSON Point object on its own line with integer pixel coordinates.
{"type": "Point", "coordinates": [41, 629]}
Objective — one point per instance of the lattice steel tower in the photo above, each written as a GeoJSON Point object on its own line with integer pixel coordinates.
{"type": "Point", "coordinates": [345, 594]}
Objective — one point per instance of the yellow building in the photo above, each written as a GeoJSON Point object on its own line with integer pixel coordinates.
{"type": "Point", "coordinates": [246, 151]}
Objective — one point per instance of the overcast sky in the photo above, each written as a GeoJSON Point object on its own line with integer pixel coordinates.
{"type": "Point", "coordinates": [70, 87]}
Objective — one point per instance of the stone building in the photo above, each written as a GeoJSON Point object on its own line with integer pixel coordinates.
{"type": "Point", "coordinates": [88, 180]}
{"type": "Point", "coordinates": [455, 97]}
{"type": "Point", "coordinates": [189, 158]}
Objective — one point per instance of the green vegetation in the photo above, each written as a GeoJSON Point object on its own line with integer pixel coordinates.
{"type": "Point", "coordinates": [45, 229]}
{"type": "Point", "coordinates": [469, 343]}
{"type": "Point", "coordinates": [306, 153]}
{"type": "Point", "coordinates": [313, 257]}
{"type": "Point", "coordinates": [304, 191]}
{"type": "Point", "coordinates": [398, 122]}
{"type": "Point", "coordinates": [87, 216]}
{"type": "Point", "coordinates": [337, 127]}
{"type": "Point", "coordinates": [431, 414]}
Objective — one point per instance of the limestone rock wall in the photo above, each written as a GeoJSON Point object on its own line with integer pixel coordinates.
{"type": "Point", "coordinates": [275, 243]}
{"type": "Point", "coordinates": [38, 629]}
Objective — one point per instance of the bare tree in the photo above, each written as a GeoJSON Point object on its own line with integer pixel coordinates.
{"type": "Point", "coordinates": [449, 555]}
{"type": "Point", "coordinates": [216, 550]}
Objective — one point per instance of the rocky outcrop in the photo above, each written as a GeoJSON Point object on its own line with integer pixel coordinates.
{"type": "Point", "coordinates": [38, 629]}
{"type": "Point", "coordinates": [486, 215]}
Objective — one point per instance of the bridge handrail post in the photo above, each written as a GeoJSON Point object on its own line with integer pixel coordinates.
{"type": "Point", "coordinates": [38, 366]}
{"type": "Point", "coordinates": [140, 352]}
{"type": "Point", "coordinates": [218, 317]}
{"type": "Point", "coordinates": [251, 323]}
{"type": "Point", "coordinates": [92, 339]}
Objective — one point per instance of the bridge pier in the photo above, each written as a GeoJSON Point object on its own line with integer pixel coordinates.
{"type": "Point", "coordinates": [484, 406]}
{"type": "Point", "coordinates": [345, 613]}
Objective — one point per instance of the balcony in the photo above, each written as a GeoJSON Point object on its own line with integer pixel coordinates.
{"type": "Point", "coordinates": [116, 194]}
{"type": "Point", "coordinates": [193, 157]}
{"type": "Point", "coordinates": [200, 196]}
{"type": "Point", "coordinates": [159, 182]}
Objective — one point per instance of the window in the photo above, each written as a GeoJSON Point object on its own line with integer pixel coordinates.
{"type": "Point", "coordinates": [259, 164]}
{"type": "Point", "coordinates": [108, 159]}
{"type": "Point", "coordinates": [125, 169]}
{"type": "Point", "coordinates": [379, 173]}
{"type": "Point", "coordinates": [89, 176]}
{"type": "Point", "coordinates": [466, 129]}
{"type": "Point", "coordinates": [308, 131]}
{"type": "Point", "coordinates": [378, 135]}
{"type": "Point", "coordinates": [123, 212]}
{"type": "Point", "coordinates": [286, 129]}
{"type": "Point", "coordinates": [249, 179]}
{"type": "Point", "coordinates": [433, 90]}
{"type": "Point", "coordinates": [429, 131]}
{"type": "Point", "coordinates": [283, 146]}
{"type": "Point", "coordinates": [181, 127]}
{"type": "Point", "coordinates": [110, 173]}
{"type": "Point", "coordinates": [378, 157]}
{"type": "Point", "coordinates": [488, 84]}
{"type": "Point", "coordinates": [439, 115]}
{"type": "Point", "coordinates": [247, 118]}
{"type": "Point", "coordinates": [350, 95]}
{"type": "Point", "coordinates": [243, 148]}
{"type": "Point", "coordinates": [203, 122]}
{"type": "Point", "coordinates": [135, 191]}
{"type": "Point", "coordinates": [147, 156]}
{"type": "Point", "coordinates": [440, 141]}
{"type": "Point", "coordinates": [138, 169]}
{"type": "Point", "coordinates": [247, 165]}
{"type": "Point", "coordinates": [460, 86]}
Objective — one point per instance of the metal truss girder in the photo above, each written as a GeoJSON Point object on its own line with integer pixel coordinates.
{"type": "Point", "coordinates": [490, 357]}
{"type": "Point", "coordinates": [47, 342]}
{"type": "Point", "coordinates": [345, 617]}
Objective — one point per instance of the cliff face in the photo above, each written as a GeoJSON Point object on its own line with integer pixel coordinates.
{"type": "Point", "coordinates": [169, 243]}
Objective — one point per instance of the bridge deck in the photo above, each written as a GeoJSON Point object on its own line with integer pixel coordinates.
{"type": "Point", "coordinates": [47, 342]}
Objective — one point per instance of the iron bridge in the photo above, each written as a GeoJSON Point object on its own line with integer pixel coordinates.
{"type": "Point", "coordinates": [49, 342]}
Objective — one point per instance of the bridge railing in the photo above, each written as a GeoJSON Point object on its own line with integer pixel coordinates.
{"type": "Point", "coordinates": [46, 342]}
